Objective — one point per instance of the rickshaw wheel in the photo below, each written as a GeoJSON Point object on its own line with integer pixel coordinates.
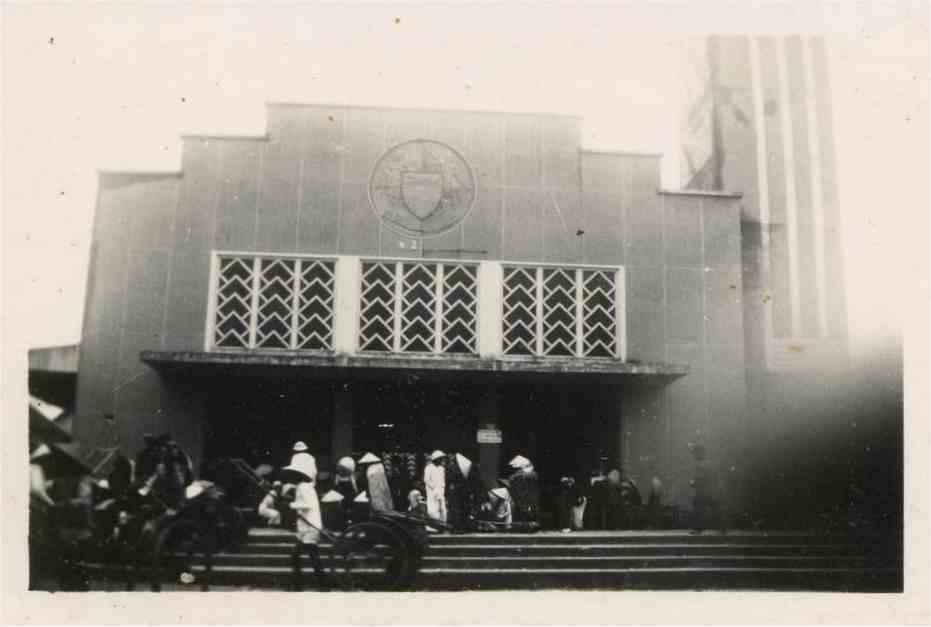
{"type": "Point", "coordinates": [415, 549]}
{"type": "Point", "coordinates": [176, 546]}
{"type": "Point", "coordinates": [372, 556]}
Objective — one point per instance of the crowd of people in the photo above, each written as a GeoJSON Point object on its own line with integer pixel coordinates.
{"type": "Point", "coordinates": [449, 490]}
{"type": "Point", "coordinates": [69, 512]}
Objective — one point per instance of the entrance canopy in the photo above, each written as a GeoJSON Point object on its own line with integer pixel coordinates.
{"type": "Point", "coordinates": [381, 366]}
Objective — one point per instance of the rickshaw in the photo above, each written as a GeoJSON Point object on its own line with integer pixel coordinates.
{"type": "Point", "coordinates": [383, 552]}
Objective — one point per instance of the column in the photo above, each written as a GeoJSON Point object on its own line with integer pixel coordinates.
{"type": "Point", "coordinates": [343, 421]}
{"type": "Point", "coordinates": [488, 408]}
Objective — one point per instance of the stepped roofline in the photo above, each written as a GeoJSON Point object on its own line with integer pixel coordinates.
{"type": "Point", "coordinates": [337, 105]}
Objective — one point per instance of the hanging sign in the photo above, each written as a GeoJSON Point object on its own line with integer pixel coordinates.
{"type": "Point", "coordinates": [489, 436]}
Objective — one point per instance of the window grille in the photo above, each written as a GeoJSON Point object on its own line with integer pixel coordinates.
{"type": "Point", "coordinates": [599, 316]}
{"type": "Point", "coordinates": [270, 302]}
{"type": "Point", "coordinates": [376, 322]}
{"type": "Point", "coordinates": [460, 305]}
{"type": "Point", "coordinates": [416, 307]}
{"type": "Point", "coordinates": [233, 322]}
{"type": "Point", "coordinates": [520, 311]}
{"type": "Point", "coordinates": [273, 303]}
{"type": "Point", "coordinates": [559, 311]}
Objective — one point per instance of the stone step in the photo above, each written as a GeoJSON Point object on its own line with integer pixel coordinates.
{"type": "Point", "coordinates": [266, 535]}
{"type": "Point", "coordinates": [679, 578]}
{"type": "Point", "coordinates": [575, 562]}
{"type": "Point", "coordinates": [542, 550]}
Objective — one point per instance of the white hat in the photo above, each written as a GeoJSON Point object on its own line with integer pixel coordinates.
{"type": "Point", "coordinates": [369, 458]}
{"type": "Point", "coordinates": [299, 447]}
{"type": "Point", "coordinates": [347, 463]}
{"type": "Point", "coordinates": [437, 454]}
{"type": "Point", "coordinates": [519, 462]}
{"type": "Point", "coordinates": [332, 497]}
{"type": "Point", "coordinates": [362, 498]}
{"type": "Point", "coordinates": [501, 493]}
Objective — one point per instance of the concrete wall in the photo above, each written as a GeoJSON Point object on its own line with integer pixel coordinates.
{"type": "Point", "coordinates": [133, 279]}
{"type": "Point", "coordinates": [303, 188]}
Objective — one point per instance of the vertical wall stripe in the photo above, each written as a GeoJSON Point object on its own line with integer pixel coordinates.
{"type": "Point", "coordinates": [302, 146]}
{"type": "Point", "coordinates": [788, 156]}
{"type": "Point", "coordinates": [759, 121]}
{"type": "Point", "coordinates": [163, 332]}
{"type": "Point", "coordinates": [817, 193]}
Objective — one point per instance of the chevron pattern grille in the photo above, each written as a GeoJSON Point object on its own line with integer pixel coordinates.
{"type": "Point", "coordinates": [276, 296]}
{"type": "Point", "coordinates": [519, 326]}
{"type": "Point", "coordinates": [233, 321]}
{"type": "Point", "coordinates": [418, 308]}
{"type": "Point", "coordinates": [315, 305]}
{"type": "Point", "coordinates": [551, 311]}
{"type": "Point", "coordinates": [376, 321]}
{"type": "Point", "coordinates": [460, 304]}
{"type": "Point", "coordinates": [558, 311]}
{"type": "Point", "coordinates": [415, 307]}
{"type": "Point", "coordinates": [599, 326]}
{"type": "Point", "coordinates": [274, 303]}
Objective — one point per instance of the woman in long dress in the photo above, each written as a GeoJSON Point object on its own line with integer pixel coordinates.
{"type": "Point", "coordinates": [376, 481]}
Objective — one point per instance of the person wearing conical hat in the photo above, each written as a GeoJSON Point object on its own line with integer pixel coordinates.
{"type": "Point", "coordinates": [376, 484]}
{"type": "Point", "coordinates": [333, 505]}
{"type": "Point", "coordinates": [306, 504]}
{"type": "Point", "coordinates": [525, 490]}
{"type": "Point", "coordinates": [302, 460]}
{"type": "Point", "coordinates": [458, 471]}
{"type": "Point", "coordinates": [434, 479]}
{"type": "Point", "coordinates": [345, 483]}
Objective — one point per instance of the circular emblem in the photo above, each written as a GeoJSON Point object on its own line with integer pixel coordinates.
{"type": "Point", "coordinates": [421, 187]}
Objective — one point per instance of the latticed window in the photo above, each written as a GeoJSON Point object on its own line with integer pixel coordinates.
{"type": "Point", "coordinates": [273, 303]}
{"type": "Point", "coordinates": [559, 311]}
{"type": "Point", "coordinates": [289, 302]}
{"type": "Point", "coordinates": [599, 314]}
{"type": "Point", "coordinates": [520, 311]}
{"type": "Point", "coordinates": [418, 307]}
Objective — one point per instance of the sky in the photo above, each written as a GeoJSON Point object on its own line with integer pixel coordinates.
{"type": "Point", "coordinates": [112, 86]}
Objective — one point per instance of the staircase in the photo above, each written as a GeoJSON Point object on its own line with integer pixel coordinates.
{"type": "Point", "coordinates": [645, 560]}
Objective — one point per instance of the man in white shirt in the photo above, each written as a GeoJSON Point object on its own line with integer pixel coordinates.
{"type": "Point", "coordinates": [434, 478]}
{"type": "Point", "coordinates": [309, 519]}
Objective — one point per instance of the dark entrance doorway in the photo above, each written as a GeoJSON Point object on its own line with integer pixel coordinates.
{"type": "Point", "coordinates": [413, 416]}
{"type": "Point", "coordinates": [259, 419]}
{"type": "Point", "coordinates": [565, 430]}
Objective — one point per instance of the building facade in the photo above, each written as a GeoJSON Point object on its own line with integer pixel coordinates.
{"type": "Point", "coordinates": [397, 280]}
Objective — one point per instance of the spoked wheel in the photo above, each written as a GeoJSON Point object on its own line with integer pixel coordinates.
{"type": "Point", "coordinates": [175, 549]}
{"type": "Point", "coordinates": [371, 556]}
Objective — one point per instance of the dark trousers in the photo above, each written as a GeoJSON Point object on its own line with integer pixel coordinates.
{"type": "Point", "coordinates": [708, 513]}
{"type": "Point", "coordinates": [313, 551]}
